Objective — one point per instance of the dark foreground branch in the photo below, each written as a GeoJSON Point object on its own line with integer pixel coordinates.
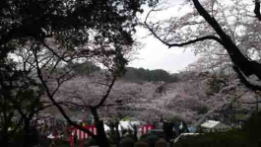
{"type": "Point", "coordinates": [192, 41]}
{"type": "Point", "coordinates": [106, 95]}
{"type": "Point", "coordinates": [56, 104]}
{"type": "Point", "coordinates": [244, 66]}
{"type": "Point", "coordinates": [257, 10]}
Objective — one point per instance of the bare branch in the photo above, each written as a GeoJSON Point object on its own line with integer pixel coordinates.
{"type": "Point", "coordinates": [52, 50]}
{"type": "Point", "coordinates": [252, 103]}
{"type": "Point", "coordinates": [208, 37]}
{"type": "Point", "coordinates": [254, 85]}
{"type": "Point", "coordinates": [50, 96]}
{"type": "Point", "coordinates": [218, 107]}
{"type": "Point", "coordinates": [243, 66]}
{"type": "Point", "coordinates": [257, 10]}
{"type": "Point", "coordinates": [60, 80]}
{"type": "Point", "coordinates": [100, 83]}
{"type": "Point", "coordinates": [106, 95]}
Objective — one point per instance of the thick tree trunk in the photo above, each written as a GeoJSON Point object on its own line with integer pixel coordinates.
{"type": "Point", "coordinates": [101, 135]}
{"type": "Point", "coordinates": [241, 62]}
{"type": "Point", "coordinates": [4, 135]}
{"type": "Point", "coordinates": [168, 131]}
{"type": "Point", "coordinates": [117, 131]}
{"type": "Point", "coordinates": [27, 140]}
{"type": "Point", "coordinates": [4, 139]}
{"type": "Point", "coordinates": [30, 133]}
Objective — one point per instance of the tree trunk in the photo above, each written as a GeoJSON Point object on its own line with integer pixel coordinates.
{"type": "Point", "coordinates": [27, 139]}
{"type": "Point", "coordinates": [117, 132]}
{"type": "Point", "coordinates": [30, 134]}
{"type": "Point", "coordinates": [168, 130]}
{"type": "Point", "coordinates": [241, 62]}
{"type": "Point", "coordinates": [101, 138]}
{"type": "Point", "coordinates": [4, 135]}
{"type": "Point", "coordinates": [4, 139]}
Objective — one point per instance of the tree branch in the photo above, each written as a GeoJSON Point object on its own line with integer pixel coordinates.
{"type": "Point", "coordinates": [54, 53]}
{"type": "Point", "coordinates": [208, 37]}
{"type": "Point", "coordinates": [257, 10]}
{"type": "Point", "coordinates": [50, 96]}
{"type": "Point", "coordinates": [254, 85]}
{"type": "Point", "coordinates": [106, 95]}
{"type": "Point", "coordinates": [244, 66]}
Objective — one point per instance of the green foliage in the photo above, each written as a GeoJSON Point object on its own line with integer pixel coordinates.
{"type": "Point", "coordinates": [202, 109]}
{"type": "Point", "coordinates": [232, 138]}
{"type": "Point", "coordinates": [161, 143]}
{"type": "Point", "coordinates": [132, 74]}
{"type": "Point", "coordinates": [127, 142]}
{"type": "Point", "coordinates": [20, 136]}
{"type": "Point", "coordinates": [53, 34]}
{"type": "Point", "coordinates": [248, 136]}
{"type": "Point", "coordinates": [91, 142]}
{"type": "Point", "coordinates": [215, 84]}
{"type": "Point", "coordinates": [113, 134]}
{"type": "Point", "coordinates": [67, 19]}
{"type": "Point", "coordinates": [252, 127]}
{"type": "Point", "coordinates": [71, 29]}
{"type": "Point", "coordinates": [19, 102]}
{"type": "Point", "coordinates": [140, 74]}
{"type": "Point", "coordinates": [85, 68]}
{"type": "Point", "coordinates": [150, 139]}
{"type": "Point", "coordinates": [141, 144]}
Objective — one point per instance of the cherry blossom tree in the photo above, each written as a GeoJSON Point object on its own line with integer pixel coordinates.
{"type": "Point", "coordinates": [196, 98]}
{"type": "Point", "coordinates": [51, 35]}
{"type": "Point", "coordinates": [230, 26]}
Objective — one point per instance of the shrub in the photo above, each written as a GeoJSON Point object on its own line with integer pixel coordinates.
{"type": "Point", "coordinates": [141, 144]}
{"type": "Point", "coordinates": [233, 138]}
{"type": "Point", "coordinates": [161, 143]}
{"type": "Point", "coordinates": [252, 127]}
{"type": "Point", "coordinates": [127, 142]}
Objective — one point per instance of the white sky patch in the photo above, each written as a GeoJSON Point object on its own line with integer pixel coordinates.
{"type": "Point", "coordinates": [155, 55]}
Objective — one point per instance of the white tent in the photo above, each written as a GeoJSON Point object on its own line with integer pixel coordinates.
{"type": "Point", "coordinates": [212, 125]}
{"type": "Point", "coordinates": [128, 124]}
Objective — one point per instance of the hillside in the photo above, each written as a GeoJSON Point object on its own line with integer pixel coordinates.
{"type": "Point", "coordinates": [192, 97]}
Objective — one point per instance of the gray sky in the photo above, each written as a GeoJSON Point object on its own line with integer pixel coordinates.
{"type": "Point", "coordinates": [155, 55]}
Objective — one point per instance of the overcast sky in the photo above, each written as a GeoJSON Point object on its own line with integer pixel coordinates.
{"type": "Point", "coordinates": [155, 55]}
